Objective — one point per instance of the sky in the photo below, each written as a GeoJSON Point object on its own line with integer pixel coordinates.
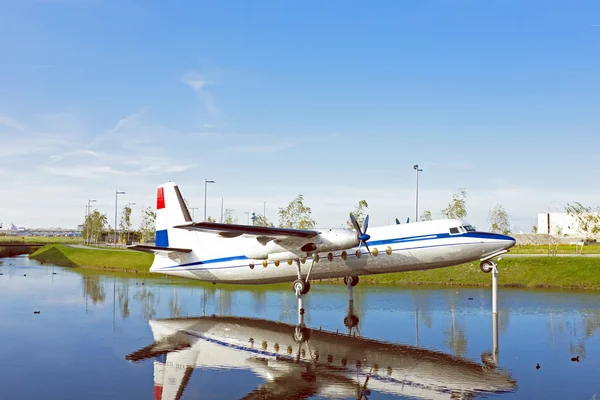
{"type": "Point", "coordinates": [333, 100]}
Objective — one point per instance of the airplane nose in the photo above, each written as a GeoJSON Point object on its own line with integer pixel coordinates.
{"type": "Point", "coordinates": [509, 241]}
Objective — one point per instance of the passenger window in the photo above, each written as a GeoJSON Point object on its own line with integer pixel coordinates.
{"type": "Point", "coordinates": [454, 230]}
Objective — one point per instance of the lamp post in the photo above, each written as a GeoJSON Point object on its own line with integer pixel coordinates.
{"type": "Point", "coordinates": [87, 214]}
{"type": "Point", "coordinates": [193, 208]}
{"type": "Point", "coordinates": [417, 169]}
{"type": "Point", "coordinates": [129, 206]}
{"type": "Point", "coordinates": [206, 182]}
{"type": "Point", "coordinates": [117, 193]}
{"type": "Point", "coordinates": [248, 214]}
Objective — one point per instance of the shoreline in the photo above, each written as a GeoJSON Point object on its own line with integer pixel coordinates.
{"type": "Point", "coordinates": [535, 272]}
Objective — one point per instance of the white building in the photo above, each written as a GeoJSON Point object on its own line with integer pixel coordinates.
{"type": "Point", "coordinates": [555, 223]}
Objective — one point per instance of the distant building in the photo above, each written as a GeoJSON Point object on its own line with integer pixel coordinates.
{"type": "Point", "coordinates": [554, 223]}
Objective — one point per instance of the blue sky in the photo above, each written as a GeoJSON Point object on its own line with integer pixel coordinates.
{"type": "Point", "coordinates": [335, 100]}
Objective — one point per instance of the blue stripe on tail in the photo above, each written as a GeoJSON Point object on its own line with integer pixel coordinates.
{"type": "Point", "coordinates": [162, 238]}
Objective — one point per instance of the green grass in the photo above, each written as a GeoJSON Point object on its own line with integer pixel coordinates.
{"type": "Point", "coordinates": [562, 249]}
{"type": "Point", "coordinates": [114, 260]}
{"type": "Point", "coordinates": [530, 272]}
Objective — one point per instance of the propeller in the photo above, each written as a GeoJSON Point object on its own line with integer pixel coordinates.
{"type": "Point", "coordinates": [362, 233]}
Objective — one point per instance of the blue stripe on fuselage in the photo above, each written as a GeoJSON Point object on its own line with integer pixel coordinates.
{"type": "Point", "coordinates": [478, 235]}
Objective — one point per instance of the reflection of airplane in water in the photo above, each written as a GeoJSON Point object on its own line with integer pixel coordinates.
{"type": "Point", "coordinates": [300, 362]}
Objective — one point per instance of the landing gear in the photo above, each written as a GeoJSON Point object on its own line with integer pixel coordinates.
{"type": "Point", "coordinates": [301, 286]}
{"type": "Point", "coordinates": [351, 280]}
{"type": "Point", "coordinates": [487, 266]}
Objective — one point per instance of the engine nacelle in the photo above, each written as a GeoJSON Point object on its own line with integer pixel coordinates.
{"type": "Point", "coordinates": [333, 240]}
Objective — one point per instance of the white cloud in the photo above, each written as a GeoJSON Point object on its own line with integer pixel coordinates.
{"type": "Point", "coordinates": [195, 81]}
{"type": "Point", "coordinates": [12, 123]}
{"type": "Point", "coordinates": [199, 83]}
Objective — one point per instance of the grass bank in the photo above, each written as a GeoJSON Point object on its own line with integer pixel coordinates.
{"type": "Point", "coordinates": [110, 260]}
{"type": "Point", "coordinates": [529, 272]}
{"type": "Point", "coordinates": [561, 249]}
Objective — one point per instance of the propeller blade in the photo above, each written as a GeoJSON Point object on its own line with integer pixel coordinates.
{"type": "Point", "coordinates": [355, 223]}
{"type": "Point", "coordinates": [397, 221]}
{"type": "Point", "coordinates": [367, 246]}
{"type": "Point", "coordinates": [365, 224]}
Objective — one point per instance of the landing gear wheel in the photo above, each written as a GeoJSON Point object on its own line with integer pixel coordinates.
{"type": "Point", "coordinates": [351, 321]}
{"type": "Point", "coordinates": [487, 266]}
{"type": "Point", "coordinates": [353, 280]}
{"type": "Point", "coordinates": [301, 334]}
{"type": "Point", "coordinates": [301, 285]}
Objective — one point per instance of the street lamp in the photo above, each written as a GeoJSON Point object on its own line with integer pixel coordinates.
{"type": "Point", "coordinates": [129, 206]}
{"type": "Point", "coordinates": [417, 169]}
{"type": "Point", "coordinates": [206, 181]}
{"type": "Point", "coordinates": [87, 214]}
{"type": "Point", "coordinates": [117, 193]}
{"type": "Point", "coordinates": [193, 208]}
{"type": "Point", "coordinates": [248, 214]}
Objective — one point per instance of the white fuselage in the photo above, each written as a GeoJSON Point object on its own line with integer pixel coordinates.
{"type": "Point", "coordinates": [395, 248]}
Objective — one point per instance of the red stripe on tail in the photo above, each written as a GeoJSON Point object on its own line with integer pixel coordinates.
{"type": "Point", "coordinates": [158, 390]}
{"type": "Point", "coordinates": [160, 198]}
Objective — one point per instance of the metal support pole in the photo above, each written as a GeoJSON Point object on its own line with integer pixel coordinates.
{"type": "Point", "coordinates": [417, 326]}
{"type": "Point", "coordinates": [495, 290]}
{"type": "Point", "coordinates": [115, 227]}
{"type": "Point", "coordinates": [495, 337]}
{"type": "Point", "coordinates": [417, 169]}
{"type": "Point", "coordinates": [417, 200]}
{"type": "Point", "coordinates": [300, 309]}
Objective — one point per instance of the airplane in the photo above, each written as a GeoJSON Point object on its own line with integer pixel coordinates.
{"type": "Point", "coordinates": [248, 254]}
{"type": "Point", "coordinates": [323, 364]}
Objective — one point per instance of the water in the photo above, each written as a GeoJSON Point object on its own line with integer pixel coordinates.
{"type": "Point", "coordinates": [92, 339]}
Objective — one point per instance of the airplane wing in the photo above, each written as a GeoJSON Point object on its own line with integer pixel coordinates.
{"type": "Point", "coordinates": [233, 230]}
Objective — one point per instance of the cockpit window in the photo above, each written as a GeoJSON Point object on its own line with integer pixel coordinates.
{"type": "Point", "coordinates": [469, 228]}
{"type": "Point", "coordinates": [454, 230]}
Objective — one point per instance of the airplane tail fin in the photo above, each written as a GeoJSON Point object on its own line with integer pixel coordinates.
{"type": "Point", "coordinates": [171, 243]}
{"type": "Point", "coordinates": [171, 211]}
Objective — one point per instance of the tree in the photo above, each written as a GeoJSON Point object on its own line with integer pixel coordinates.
{"type": "Point", "coordinates": [261, 220]}
{"type": "Point", "coordinates": [125, 223]}
{"type": "Point", "coordinates": [457, 208]}
{"type": "Point", "coordinates": [229, 217]}
{"type": "Point", "coordinates": [359, 213]}
{"type": "Point", "coordinates": [534, 229]}
{"type": "Point", "coordinates": [148, 225]}
{"type": "Point", "coordinates": [499, 220]}
{"type": "Point", "coordinates": [426, 216]}
{"type": "Point", "coordinates": [94, 225]}
{"type": "Point", "coordinates": [296, 215]}
{"type": "Point", "coordinates": [588, 218]}
{"type": "Point", "coordinates": [210, 219]}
